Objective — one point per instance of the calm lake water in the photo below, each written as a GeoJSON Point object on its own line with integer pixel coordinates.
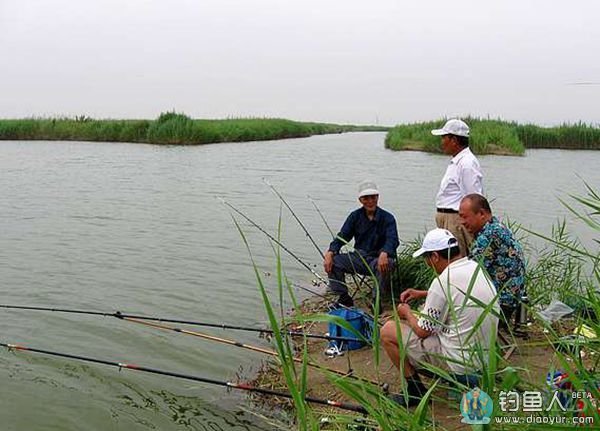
{"type": "Point", "coordinates": [139, 228]}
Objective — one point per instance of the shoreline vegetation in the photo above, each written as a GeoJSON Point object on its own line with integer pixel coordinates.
{"type": "Point", "coordinates": [497, 137]}
{"type": "Point", "coordinates": [170, 128]}
{"type": "Point", "coordinates": [489, 136]}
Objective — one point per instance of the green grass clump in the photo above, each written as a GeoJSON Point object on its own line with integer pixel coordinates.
{"type": "Point", "coordinates": [497, 137]}
{"type": "Point", "coordinates": [579, 136]}
{"type": "Point", "coordinates": [168, 128]}
{"type": "Point", "coordinates": [487, 137]}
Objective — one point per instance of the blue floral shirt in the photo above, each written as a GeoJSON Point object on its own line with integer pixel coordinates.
{"type": "Point", "coordinates": [502, 257]}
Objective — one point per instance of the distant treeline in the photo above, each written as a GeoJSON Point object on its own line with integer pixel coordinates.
{"type": "Point", "coordinates": [169, 128]}
{"type": "Point", "coordinates": [497, 137]}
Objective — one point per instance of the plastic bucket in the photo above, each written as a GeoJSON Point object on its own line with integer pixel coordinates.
{"type": "Point", "coordinates": [362, 323]}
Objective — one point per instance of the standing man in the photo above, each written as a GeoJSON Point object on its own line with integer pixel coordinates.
{"type": "Point", "coordinates": [451, 332]}
{"type": "Point", "coordinates": [375, 243]}
{"type": "Point", "coordinates": [499, 252]}
{"type": "Point", "coordinates": [463, 176]}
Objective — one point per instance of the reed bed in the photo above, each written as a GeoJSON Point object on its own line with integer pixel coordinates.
{"type": "Point", "coordinates": [169, 128]}
{"type": "Point", "coordinates": [497, 137]}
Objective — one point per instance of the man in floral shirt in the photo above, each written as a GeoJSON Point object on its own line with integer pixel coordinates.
{"type": "Point", "coordinates": [496, 247]}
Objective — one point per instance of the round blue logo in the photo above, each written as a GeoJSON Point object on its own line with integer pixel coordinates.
{"type": "Point", "coordinates": [476, 407]}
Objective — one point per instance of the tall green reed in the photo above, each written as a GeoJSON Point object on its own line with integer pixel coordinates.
{"type": "Point", "coordinates": [168, 128]}
{"type": "Point", "coordinates": [498, 136]}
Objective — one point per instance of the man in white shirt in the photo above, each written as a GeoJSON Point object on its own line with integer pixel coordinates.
{"type": "Point", "coordinates": [447, 333]}
{"type": "Point", "coordinates": [463, 176]}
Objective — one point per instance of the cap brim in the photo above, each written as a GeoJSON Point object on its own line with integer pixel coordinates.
{"type": "Point", "coordinates": [368, 192]}
{"type": "Point", "coordinates": [439, 132]}
{"type": "Point", "coordinates": [419, 252]}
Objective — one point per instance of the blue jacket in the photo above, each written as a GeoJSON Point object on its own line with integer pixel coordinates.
{"type": "Point", "coordinates": [371, 237]}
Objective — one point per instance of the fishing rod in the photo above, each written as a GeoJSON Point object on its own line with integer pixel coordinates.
{"type": "Point", "coordinates": [147, 321]}
{"type": "Point", "coordinates": [295, 216]}
{"type": "Point", "coordinates": [120, 315]}
{"type": "Point", "coordinates": [356, 282]}
{"type": "Point", "coordinates": [227, 384]}
{"type": "Point", "coordinates": [322, 216]}
{"type": "Point", "coordinates": [247, 347]}
{"type": "Point", "coordinates": [276, 241]}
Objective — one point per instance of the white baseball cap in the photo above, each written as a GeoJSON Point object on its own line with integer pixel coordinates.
{"type": "Point", "coordinates": [367, 188]}
{"type": "Point", "coordinates": [453, 127]}
{"type": "Point", "coordinates": [436, 240]}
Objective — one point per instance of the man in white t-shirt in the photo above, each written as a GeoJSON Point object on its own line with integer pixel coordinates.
{"type": "Point", "coordinates": [446, 333]}
{"type": "Point", "coordinates": [463, 176]}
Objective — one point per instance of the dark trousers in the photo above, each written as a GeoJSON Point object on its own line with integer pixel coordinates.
{"type": "Point", "coordinates": [352, 263]}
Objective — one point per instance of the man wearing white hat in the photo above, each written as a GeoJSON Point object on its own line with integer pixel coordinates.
{"type": "Point", "coordinates": [463, 176]}
{"type": "Point", "coordinates": [447, 333]}
{"type": "Point", "coordinates": [375, 242]}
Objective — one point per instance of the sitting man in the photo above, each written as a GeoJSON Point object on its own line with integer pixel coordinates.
{"type": "Point", "coordinates": [375, 243]}
{"type": "Point", "coordinates": [499, 252]}
{"type": "Point", "coordinates": [447, 334]}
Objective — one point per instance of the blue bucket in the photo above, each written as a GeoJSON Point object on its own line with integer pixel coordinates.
{"type": "Point", "coordinates": [362, 323]}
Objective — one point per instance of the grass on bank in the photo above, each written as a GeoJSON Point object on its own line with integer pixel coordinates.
{"type": "Point", "coordinates": [168, 128]}
{"type": "Point", "coordinates": [578, 265]}
{"type": "Point", "coordinates": [497, 137]}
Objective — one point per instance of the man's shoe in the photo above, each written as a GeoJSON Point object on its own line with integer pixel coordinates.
{"type": "Point", "coordinates": [344, 302]}
{"type": "Point", "coordinates": [401, 400]}
{"type": "Point", "coordinates": [415, 391]}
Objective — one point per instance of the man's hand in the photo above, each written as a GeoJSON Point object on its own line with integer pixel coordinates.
{"type": "Point", "coordinates": [412, 294]}
{"type": "Point", "coordinates": [383, 264]}
{"type": "Point", "coordinates": [328, 262]}
{"type": "Point", "coordinates": [403, 311]}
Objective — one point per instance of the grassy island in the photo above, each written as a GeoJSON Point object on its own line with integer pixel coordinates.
{"type": "Point", "coordinates": [170, 128]}
{"type": "Point", "coordinates": [497, 137]}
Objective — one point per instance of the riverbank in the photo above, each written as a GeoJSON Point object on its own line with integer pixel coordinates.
{"type": "Point", "coordinates": [549, 344]}
{"type": "Point", "coordinates": [169, 128]}
{"type": "Point", "coordinates": [497, 137]}
{"type": "Point", "coordinates": [533, 356]}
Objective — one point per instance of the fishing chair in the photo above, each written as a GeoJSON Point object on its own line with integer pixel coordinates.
{"type": "Point", "coordinates": [520, 322]}
{"type": "Point", "coordinates": [366, 283]}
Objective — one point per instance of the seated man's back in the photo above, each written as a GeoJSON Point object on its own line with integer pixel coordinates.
{"type": "Point", "coordinates": [455, 301]}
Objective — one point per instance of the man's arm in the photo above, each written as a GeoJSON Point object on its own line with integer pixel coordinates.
{"type": "Point", "coordinates": [412, 321]}
{"type": "Point", "coordinates": [433, 314]}
{"type": "Point", "coordinates": [391, 236]}
{"type": "Point", "coordinates": [470, 179]}
{"type": "Point", "coordinates": [479, 246]}
{"type": "Point", "coordinates": [341, 239]}
{"type": "Point", "coordinates": [344, 235]}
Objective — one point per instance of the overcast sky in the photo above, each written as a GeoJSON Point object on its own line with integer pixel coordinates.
{"type": "Point", "coordinates": [346, 61]}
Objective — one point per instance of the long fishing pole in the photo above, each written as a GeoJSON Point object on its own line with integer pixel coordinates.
{"type": "Point", "coordinates": [322, 216]}
{"type": "Point", "coordinates": [227, 384]}
{"type": "Point", "coordinates": [275, 240]}
{"type": "Point", "coordinates": [356, 282]}
{"type": "Point", "coordinates": [295, 216]}
{"type": "Point", "coordinates": [146, 320]}
{"type": "Point", "coordinates": [120, 315]}
{"type": "Point", "coordinates": [245, 346]}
